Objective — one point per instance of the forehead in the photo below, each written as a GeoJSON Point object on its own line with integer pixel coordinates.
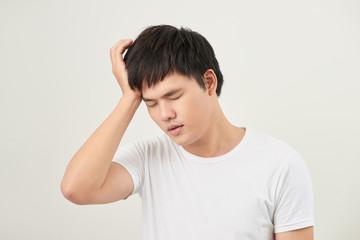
{"type": "Point", "coordinates": [169, 83]}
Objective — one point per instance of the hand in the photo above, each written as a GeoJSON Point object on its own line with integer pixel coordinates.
{"type": "Point", "coordinates": [119, 68]}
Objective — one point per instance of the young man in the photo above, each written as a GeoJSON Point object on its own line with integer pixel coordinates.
{"type": "Point", "coordinates": [204, 178]}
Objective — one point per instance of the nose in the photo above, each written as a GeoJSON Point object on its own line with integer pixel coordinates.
{"type": "Point", "coordinates": [166, 112]}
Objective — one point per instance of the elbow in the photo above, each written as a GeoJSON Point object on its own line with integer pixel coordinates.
{"type": "Point", "coordinates": [72, 194]}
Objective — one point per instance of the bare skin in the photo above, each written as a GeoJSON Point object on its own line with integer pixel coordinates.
{"type": "Point", "coordinates": [205, 130]}
{"type": "Point", "coordinates": [299, 234]}
{"type": "Point", "coordinates": [91, 177]}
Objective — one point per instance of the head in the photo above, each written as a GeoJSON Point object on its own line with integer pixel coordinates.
{"type": "Point", "coordinates": [162, 50]}
{"type": "Point", "coordinates": [179, 78]}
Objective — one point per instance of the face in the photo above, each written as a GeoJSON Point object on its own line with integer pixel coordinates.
{"type": "Point", "coordinates": [180, 107]}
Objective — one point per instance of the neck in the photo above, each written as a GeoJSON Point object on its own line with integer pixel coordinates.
{"type": "Point", "coordinates": [219, 138]}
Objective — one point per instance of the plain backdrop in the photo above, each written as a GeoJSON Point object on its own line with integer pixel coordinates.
{"type": "Point", "coordinates": [291, 70]}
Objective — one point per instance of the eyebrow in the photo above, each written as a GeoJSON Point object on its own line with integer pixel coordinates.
{"type": "Point", "coordinates": [168, 94]}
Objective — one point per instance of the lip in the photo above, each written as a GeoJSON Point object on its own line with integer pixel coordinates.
{"type": "Point", "coordinates": [175, 129]}
{"type": "Point", "coordinates": [173, 126]}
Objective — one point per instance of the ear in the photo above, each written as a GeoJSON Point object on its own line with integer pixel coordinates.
{"type": "Point", "coordinates": [210, 80]}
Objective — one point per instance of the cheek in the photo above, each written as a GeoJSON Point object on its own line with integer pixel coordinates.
{"type": "Point", "coordinates": [195, 110]}
{"type": "Point", "coordinates": [154, 116]}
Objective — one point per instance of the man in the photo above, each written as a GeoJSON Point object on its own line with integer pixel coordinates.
{"type": "Point", "coordinates": [204, 178]}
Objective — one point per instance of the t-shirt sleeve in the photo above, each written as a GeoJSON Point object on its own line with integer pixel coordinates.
{"type": "Point", "coordinates": [131, 157]}
{"type": "Point", "coordinates": [294, 197]}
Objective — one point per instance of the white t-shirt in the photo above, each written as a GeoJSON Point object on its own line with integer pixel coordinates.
{"type": "Point", "coordinates": [259, 188]}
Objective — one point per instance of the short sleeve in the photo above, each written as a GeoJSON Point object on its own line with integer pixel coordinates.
{"type": "Point", "coordinates": [131, 156]}
{"type": "Point", "coordinates": [294, 197]}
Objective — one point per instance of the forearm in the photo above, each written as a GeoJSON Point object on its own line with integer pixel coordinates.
{"type": "Point", "coordinates": [88, 168]}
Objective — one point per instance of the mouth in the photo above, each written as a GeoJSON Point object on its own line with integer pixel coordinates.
{"type": "Point", "coordinates": [175, 129]}
{"type": "Point", "coordinates": [172, 127]}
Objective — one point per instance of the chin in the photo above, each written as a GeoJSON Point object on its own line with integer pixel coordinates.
{"type": "Point", "coordinates": [177, 141]}
{"type": "Point", "coordinates": [181, 140]}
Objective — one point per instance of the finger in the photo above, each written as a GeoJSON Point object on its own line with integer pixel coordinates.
{"type": "Point", "coordinates": [119, 48]}
{"type": "Point", "coordinates": [125, 45]}
{"type": "Point", "coordinates": [122, 42]}
{"type": "Point", "coordinates": [122, 45]}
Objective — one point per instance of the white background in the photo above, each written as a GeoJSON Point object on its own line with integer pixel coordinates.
{"type": "Point", "coordinates": [291, 69]}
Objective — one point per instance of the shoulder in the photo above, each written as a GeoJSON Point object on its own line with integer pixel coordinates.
{"type": "Point", "coordinates": [271, 147]}
{"type": "Point", "coordinates": [149, 145]}
{"type": "Point", "coordinates": [270, 142]}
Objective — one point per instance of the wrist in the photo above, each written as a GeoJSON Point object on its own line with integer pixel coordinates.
{"type": "Point", "coordinates": [131, 98]}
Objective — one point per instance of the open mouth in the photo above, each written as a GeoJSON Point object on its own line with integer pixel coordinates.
{"type": "Point", "coordinates": [175, 130]}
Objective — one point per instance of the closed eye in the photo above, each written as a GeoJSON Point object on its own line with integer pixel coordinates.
{"type": "Point", "coordinates": [176, 97]}
{"type": "Point", "coordinates": [148, 101]}
{"type": "Point", "coordinates": [152, 105]}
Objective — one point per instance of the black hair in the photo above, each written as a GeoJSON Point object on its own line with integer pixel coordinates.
{"type": "Point", "coordinates": [163, 49]}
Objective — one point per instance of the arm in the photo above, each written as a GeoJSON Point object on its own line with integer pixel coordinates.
{"type": "Point", "coordinates": [299, 234]}
{"type": "Point", "coordinates": [91, 177]}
